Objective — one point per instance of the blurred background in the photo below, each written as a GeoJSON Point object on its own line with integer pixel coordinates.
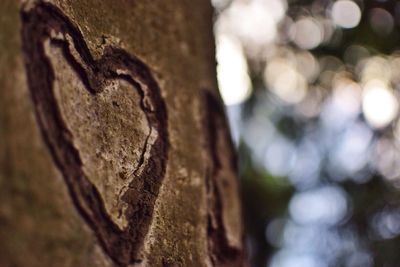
{"type": "Point", "coordinates": [312, 94]}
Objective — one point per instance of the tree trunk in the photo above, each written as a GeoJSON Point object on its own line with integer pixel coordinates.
{"type": "Point", "coordinates": [114, 145]}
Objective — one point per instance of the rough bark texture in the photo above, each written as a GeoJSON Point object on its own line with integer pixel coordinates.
{"type": "Point", "coordinates": [114, 146]}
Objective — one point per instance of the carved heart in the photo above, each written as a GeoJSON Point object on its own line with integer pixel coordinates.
{"type": "Point", "coordinates": [105, 124]}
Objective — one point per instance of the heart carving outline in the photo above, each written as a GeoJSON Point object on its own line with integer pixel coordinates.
{"type": "Point", "coordinates": [38, 23]}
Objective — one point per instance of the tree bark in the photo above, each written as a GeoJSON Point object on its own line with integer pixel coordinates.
{"type": "Point", "coordinates": [114, 145]}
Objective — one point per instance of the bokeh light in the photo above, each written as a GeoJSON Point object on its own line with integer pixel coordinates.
{"type": "Point", "coordinates": [324, 205]}
{"type": "Point", "coordinates": [307, 33]}
{"type": "Point", "coordinates": [346, 14]}
{"type": "Point", "coordinates": [312, 93]}
{"type": "Point", "coordinates": [285, 81]}
{"type": "Point", "coordinates": [381, 21]}
{"type": "Point", "coordinates": [233, 79]}
{"type": "Point", "coordinates": [380, 105]}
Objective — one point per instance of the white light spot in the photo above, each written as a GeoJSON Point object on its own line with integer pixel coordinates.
{"type": "Point", "coordinates": [347, 97]}
{"type": "Point", "coordinates": [378, 68]}
{"type": "Point", "coordinates": [325, 205]}
{"type": "Point", "coordinates": [285, 81]}
{"type": "Point", "coordinates": [353, 144]}
{"type": "Point", "coordinates": [307, 33]}
{"type": "Point", "coordinates": [289, 258]}
{"type": "Point", "coordinates": [279, 157]}
{"type": "Point", "coordinates": [305, 58]}
{"type": "Point", "coordinates": [380, 105]}
{"type": "Point", "coordinates": [346, 14]}
{"type": "Point", "coordinates": [253, 22]}
{"type": "Point", "coordinates": [219, 4]}
{"type": "Point", "coordinates": [233, 80]}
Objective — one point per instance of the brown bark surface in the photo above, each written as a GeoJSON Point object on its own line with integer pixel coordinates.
{"type": "Point", "coordinates": [114, 146]}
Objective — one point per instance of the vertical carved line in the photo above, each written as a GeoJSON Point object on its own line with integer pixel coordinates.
{"type": "Point", "coordinates": [221, 252]}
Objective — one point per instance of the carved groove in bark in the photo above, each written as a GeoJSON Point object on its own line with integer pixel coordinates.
{"type": "Point", "coordinates": [46, 24]}
{"type": "Point", "coordinates": [222, 252]}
